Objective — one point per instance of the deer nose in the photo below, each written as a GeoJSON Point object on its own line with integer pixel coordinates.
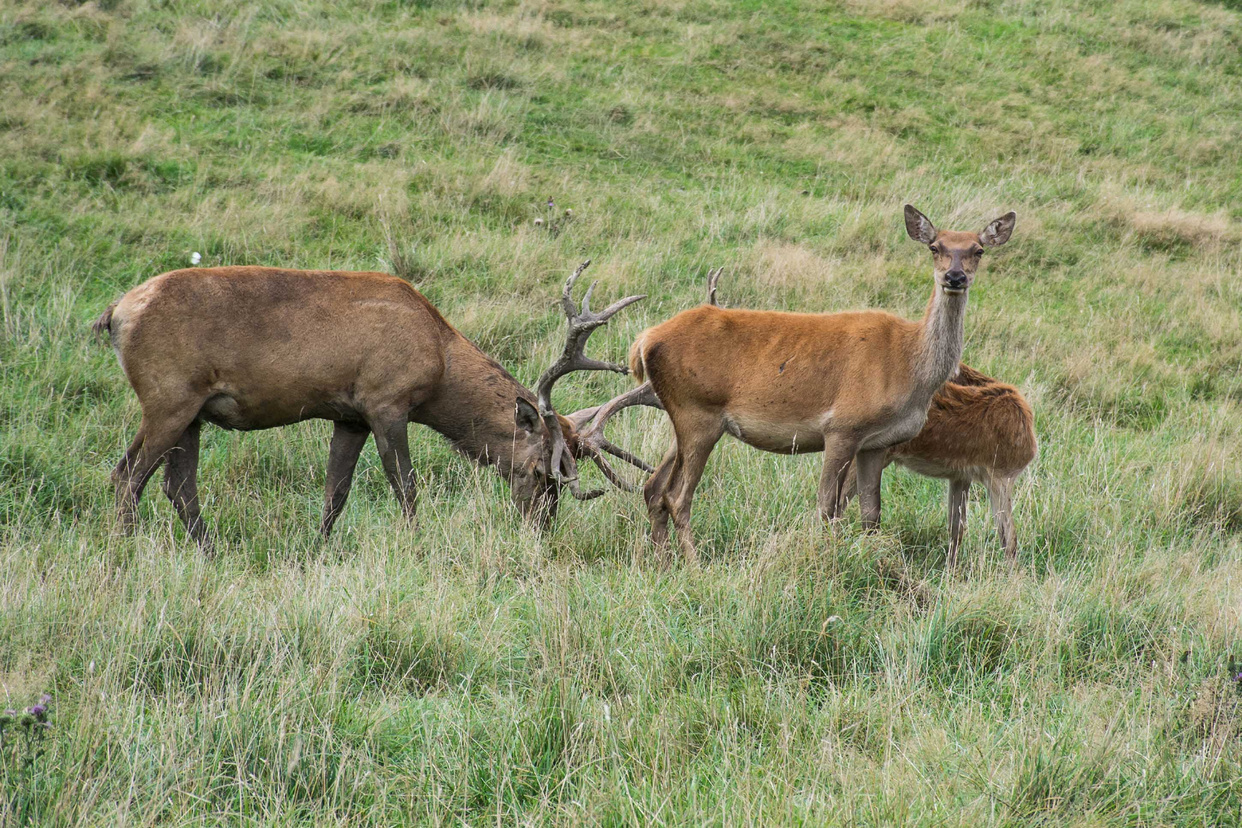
{"type": "Point", "coordinates": [955, 279]}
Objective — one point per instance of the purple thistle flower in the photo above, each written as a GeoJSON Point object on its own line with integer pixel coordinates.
{"type": "Point", "coordinates": [39, 711]}
{"type": "Point", "coordinates": [46, 698]}
{"type": "Point", "coordinates": [1238, 678]}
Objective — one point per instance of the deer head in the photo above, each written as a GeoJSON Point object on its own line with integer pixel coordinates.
{"type": "Point", "coordinates": [956, 254]}
{"type": "Point", "coordinates": [552, 445]}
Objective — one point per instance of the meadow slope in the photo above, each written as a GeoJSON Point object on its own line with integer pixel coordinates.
{"type": "Point", "coordinates": [474, 671]}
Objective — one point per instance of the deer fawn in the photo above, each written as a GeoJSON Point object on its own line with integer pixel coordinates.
{"type": "Point", "coordinates": [847, 384]}
{"type": "Point", "coordinates": [978, 430]}
{"type": "Point", "coordinates": [256, 347]}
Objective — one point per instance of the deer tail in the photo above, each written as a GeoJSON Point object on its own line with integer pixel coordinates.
{"type": "Point", "coordinates": [638, 368]}
{"type": "Point", "coordinates": [103, 325]}
{"type": "Point", "coordinates": [969, 376]}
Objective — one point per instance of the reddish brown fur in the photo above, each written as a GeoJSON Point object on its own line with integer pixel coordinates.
{"type": "Point", "coordinates": [978, 430]}
{"type": "Point", "coordinates": [255, 347]}
{"type": "Point", "coordinates": [794, 362]}
{"type": "Point", "coordinates": [848, 384]}
{"type": "Point", "coordinates": [981, 424]}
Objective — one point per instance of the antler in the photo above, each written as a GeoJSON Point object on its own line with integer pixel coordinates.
{"type": "Point", "coordinates": [582, 322]}
{"type": "Point", "coordinates": [589, 426]}
{"type": "Point", "coordinates": [713, 276]}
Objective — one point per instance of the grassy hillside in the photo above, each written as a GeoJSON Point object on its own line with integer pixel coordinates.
{"type": "Point", "coordinates": [475, 672]}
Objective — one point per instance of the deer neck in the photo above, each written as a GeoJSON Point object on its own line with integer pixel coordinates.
{"type": "Point", "coordinates": [474, 407]}
{"type": "Point", "coordinates": [941, 340]}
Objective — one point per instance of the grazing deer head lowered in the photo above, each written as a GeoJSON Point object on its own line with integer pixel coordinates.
{"type": "Point", "coordinates": [256, 347]}
{"type": "Point", "coordinates": [847, 384]}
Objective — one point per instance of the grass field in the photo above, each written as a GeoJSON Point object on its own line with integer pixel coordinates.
{"type": "Point", "coordinates": [475, 672]}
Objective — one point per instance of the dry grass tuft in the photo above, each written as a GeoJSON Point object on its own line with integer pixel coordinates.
{"type": "Point", "coordinates": [1172, 225]}
{"type": "Point", "coordinates": [908, 11]}
{"type": "Point", "coordinates": [791, 266]}
{"type": "Point", "coordinates": [1215, 714]}
{"type": "Point", "coordinates": [1165, 227]}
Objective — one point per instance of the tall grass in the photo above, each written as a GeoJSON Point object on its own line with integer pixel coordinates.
{"type": "Point", "coordinates": [474, 671]}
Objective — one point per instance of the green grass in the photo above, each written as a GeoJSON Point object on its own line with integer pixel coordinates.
{"type": "Point", "coordinates": [475, 672]}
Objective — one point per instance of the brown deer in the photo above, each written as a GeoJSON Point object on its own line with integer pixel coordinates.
{"type": "Point", "coordinates": [257, 347]}
{"type": "Point", "coordinates": [978, 430]}
{"type": "Point", "coordinates": [847, 384]}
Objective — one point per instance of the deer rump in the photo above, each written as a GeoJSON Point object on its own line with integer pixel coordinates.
{"type": "Point", "coordinates": [976, 426]}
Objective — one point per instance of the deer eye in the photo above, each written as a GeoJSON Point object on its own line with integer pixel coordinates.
{"type": "Point", "coordinates": [933, 248]}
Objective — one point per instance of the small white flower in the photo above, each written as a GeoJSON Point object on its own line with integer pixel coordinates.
{"type": "Point", "coordinates": [538, 222]}
{"type": "Point", "coordinates": [195, 257]}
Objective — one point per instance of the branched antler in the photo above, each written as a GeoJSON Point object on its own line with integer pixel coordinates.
{"type": "Point", "coordinates": [582, 322]}
{"type": "Point", "coordinates": [589, 427]}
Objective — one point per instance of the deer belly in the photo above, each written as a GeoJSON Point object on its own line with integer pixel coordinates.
{"type": "Point", "coordinates": [929, 468]}
{"type": "Point", "coordinates": [776, 437]}
{"type": "Point", "coordinates": [240, 412]}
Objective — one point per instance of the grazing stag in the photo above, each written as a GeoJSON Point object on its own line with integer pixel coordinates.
{"type": "Point", "coordinates": [847, 384]}
{"type": "Point", "coordinates": [256, 347]}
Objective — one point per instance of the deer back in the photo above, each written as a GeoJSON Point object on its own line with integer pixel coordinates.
{"type": "Point", "coordinates": [283, 345]}
{"type": "Point", "coordinates": [984, 425]}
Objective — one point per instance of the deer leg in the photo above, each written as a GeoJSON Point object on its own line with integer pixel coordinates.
{"type": "Point", "coordinates": [120, 482]}
{"type": "Point", "coordinates": [347, 443]}
{"type": "Point", "coordinates": [156, 436]}
{"type": "Point", "coordinates": [838, 457]}
{"type": "Point", "coordinates": [393, 441]}
{"type": "Point", "coordinates": [695, 442]}
{"type": "Point", "coordinates": [181, 484]}
{"type": "Point", "coordinates": [655, 494]}
{"type": "Point", "coordinates": [849, 489]}
{"type": "Point", "coordinates": [870, 465]}
{"type": "Point", "coordinates": [1000, 495]}
{"type": "Point", "coordinates": [958, 492]}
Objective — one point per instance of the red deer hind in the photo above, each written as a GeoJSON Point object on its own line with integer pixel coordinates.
{"type": "Point", "coordinates": [847, 384]}
{"type": "Point", "coordinates": [978, 430]}
{"type": "Point", "coordinates": [256, 347]}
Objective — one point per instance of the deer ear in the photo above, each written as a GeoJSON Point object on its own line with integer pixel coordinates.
{"type": "Point", "coordinates": [526, 417]}
{"type": "Point", "coordinates": [998, 232]}
{"type": "Point", "coordinates": [919, 226]}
